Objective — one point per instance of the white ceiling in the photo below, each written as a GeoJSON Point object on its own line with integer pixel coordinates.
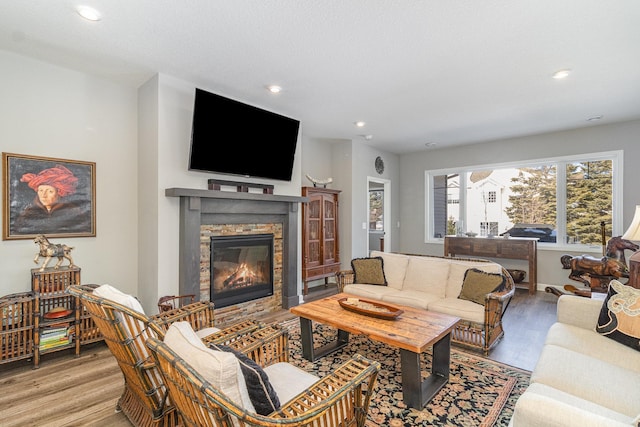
{"type": "Point", "coordinates": [416, 71]}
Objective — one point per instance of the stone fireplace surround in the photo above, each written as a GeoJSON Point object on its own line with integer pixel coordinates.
{"type": "Point", "coordinates": [211, 207]}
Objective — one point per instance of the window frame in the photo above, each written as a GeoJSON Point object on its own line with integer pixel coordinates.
{"type": "Point", "coordinates": [617, 161]}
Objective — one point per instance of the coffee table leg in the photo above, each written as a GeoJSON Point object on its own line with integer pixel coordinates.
{"type": "Point", "coordinates": [415, 392]}
{"type": "Point", "coordinates": [306, 335]}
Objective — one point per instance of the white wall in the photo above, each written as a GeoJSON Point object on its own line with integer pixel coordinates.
{"type": "Point", "coordinates": [166, 110]}
{"type": "Point", "coordinates": [622, 136]}
{"type": "Point", "coordinates": [55, 112]}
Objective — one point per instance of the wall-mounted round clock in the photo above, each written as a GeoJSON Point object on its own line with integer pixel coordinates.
{"type": "Point", "coordinates": [379, 165]}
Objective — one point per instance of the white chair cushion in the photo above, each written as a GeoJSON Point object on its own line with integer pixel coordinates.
{"type": "Point", "coordinates": [202, 333]}
{"type": "Point", "coordinates": [109, 292]}
{"type": "Point", "coordinates": [288, 381]}
{"type": "Point", "coordinates": [219, 368]}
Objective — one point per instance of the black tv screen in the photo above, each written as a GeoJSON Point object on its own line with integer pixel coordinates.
{"type": "Point", "coordinates": [231, 137]}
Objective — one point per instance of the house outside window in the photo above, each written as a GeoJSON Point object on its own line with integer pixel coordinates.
{"type": "Point", "coordinates": [560, 201]}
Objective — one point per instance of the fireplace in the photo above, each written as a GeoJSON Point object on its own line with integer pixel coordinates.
{"type": "Point", "coordinates": [241, 268]}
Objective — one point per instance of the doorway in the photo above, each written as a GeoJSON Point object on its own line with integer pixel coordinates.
{"type": "Point", "coordinates": [378, 214]}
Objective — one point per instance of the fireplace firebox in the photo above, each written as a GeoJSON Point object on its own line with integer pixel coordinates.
{"type": "Point", "coordinates": [241, 268]}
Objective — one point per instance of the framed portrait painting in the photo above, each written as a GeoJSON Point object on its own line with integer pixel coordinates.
{"type": "Point", "coordinates": [44, 195]}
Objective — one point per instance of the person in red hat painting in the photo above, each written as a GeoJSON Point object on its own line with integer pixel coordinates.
{"type": "Point", "coordinates": [49, 213]}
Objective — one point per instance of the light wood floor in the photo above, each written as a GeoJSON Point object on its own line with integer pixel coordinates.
{"type": "Point", "coordinates": [67, 391]}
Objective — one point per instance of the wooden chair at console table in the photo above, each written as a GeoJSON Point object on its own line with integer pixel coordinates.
{"type": "Point", "coordinates": [144, 399]}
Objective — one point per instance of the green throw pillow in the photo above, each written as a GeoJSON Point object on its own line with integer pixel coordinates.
{"type": "Point", "coordinates": [477, 284]}
{"type": "Point", "coordinates": [620, 315]}
{"type": "Point", "coordinates": [368, 271]}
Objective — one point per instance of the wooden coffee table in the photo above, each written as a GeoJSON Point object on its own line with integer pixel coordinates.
{"type": "Point", "coordinates": [413, 332]}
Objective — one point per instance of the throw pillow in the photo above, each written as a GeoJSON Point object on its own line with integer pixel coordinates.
{"type": "Point", "coordinates": [261, 392]}
{"type": "Point", "coordinates": [477, 284]}
{"type": "Point", "coordinates": [620, 315]}
{"type": "Point", "coordinates": [219, 368]}
{"type": "Point", "coordinates": [368, 271]}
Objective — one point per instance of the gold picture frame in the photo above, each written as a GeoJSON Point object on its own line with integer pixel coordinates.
{"type": "Point", "coordinates": [46, 195]}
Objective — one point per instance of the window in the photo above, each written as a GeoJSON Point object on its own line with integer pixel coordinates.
{"type": "Point", "coordinates": [560, 201]}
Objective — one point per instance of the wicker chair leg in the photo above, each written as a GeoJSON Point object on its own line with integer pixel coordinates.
{"type": "Point", "coordinates": [139, 414]}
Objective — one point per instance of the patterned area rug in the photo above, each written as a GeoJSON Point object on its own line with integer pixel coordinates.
{"type": "Point", "coordinates": [480, 392]}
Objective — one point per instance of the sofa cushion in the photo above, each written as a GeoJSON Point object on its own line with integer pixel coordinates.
{"type": "Point", "coordinates": [368, 291]}
{"type": "Point", "coordinates": [588, 378]}
{"type": "Point", "coordinates": [288, 380]}
{"type": "Point", "coordinates": [410, 298]}
{"type": "Point", "coordinates": [477, 284]}
{"type": "Point", "coordinates": [578, 339]}
{"type": "Point", "coordinates": [544, 406]}
{"type": "Point", "coordinates": [620, 315]}
{"type": "Point", "coordinates": [457, 270]}
{"type": "Point", "coordinates": [219, 368]}
{"type": "Point", "coordinates": [369, 271]}
{"type": "Point", "coordinates": [463, 309]}
{"type": "Point", "coordinates": [395, 267]}
{"type": "Point", "coordinates": [427, 274]}
{"type": "Point", "coordinates": [264, 398]}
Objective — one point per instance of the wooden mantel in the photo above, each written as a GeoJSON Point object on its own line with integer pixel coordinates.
{"type": "Point", "coordinates": [203, 207]}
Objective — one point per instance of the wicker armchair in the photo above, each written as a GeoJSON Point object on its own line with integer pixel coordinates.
{"type": "Point", "coordinates": [169, 302]}
{"type": "Point", "coordinates": [478, 336]}
{"type": "Point", "coordinates": [144, 399]}
{"type": "Point", "coordinates": [341, 398]}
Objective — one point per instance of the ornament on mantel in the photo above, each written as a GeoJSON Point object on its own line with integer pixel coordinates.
{"type": "Point", "coordinates": [317, 182]}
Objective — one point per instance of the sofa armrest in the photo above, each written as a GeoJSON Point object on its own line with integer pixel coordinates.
{"type": "Point", "coordinates": [344, 277]}
{"type": "Point", "coordinates": [578, 311]}
{"type": "Point", "coordinates": [536, 410]}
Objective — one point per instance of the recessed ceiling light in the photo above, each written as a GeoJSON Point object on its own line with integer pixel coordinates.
{"type": "Point", "coordinates": [274, 89]}
{"type": "Point", "coordinates": [360, 124]}
{"type": "Point", "coordinates": [561, 74]}
{"type": "Point", "coordinates": [89, 13]}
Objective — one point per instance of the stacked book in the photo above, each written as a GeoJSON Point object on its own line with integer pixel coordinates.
{"type": "Point", "coordinates": [53, 337]}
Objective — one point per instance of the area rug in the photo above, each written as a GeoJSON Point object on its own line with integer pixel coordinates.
{"type": "Point", "coordinates": [480, 392]}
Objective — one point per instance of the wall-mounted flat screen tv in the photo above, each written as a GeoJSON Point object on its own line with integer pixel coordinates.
{"type": "Point", "coordinates": [230, 137]}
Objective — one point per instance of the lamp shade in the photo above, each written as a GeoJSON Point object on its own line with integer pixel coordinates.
{"type": "Point", "coordinates": [633, 232]}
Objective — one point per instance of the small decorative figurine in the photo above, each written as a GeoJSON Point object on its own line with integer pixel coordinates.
{"type": "Point", "coordinates": [50, 250]}
{"type": "Point", "coordinates": [316, 182]}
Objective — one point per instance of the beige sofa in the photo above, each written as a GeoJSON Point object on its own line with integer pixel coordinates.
{"type": "Point", "coordinates": [434, 283]}
{"type": "Point", "coordinates": [582, 378]}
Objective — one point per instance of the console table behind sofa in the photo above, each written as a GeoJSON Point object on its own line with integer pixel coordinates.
{"type": "Point", "coordinates": [498, 247]}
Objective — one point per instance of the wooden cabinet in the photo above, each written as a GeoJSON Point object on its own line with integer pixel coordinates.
{"type": "Point", "coordinates": [511, 248]}
{"type": "Point", "coordinates": [320, 245]}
